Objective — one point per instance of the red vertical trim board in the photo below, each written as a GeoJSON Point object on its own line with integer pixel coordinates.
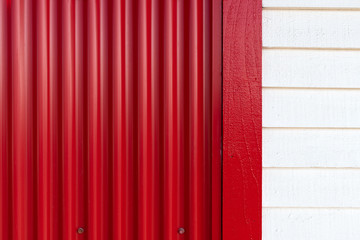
{"type": "Point", "coordinates": [242, 119]}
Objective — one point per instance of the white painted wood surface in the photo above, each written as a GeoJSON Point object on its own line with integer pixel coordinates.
{"type": "Point", "coordinates": [311, 187]}
{"type": "Point", "coordinates": [311, 68]}
{"type": "Point", "coordinates": [334, 148]}
{"type": "Point", "coordinates": [310, 224]}
{"type": "Point", "coordinates": [311, 119]}
{"type": "Point", "coordinates": [311, 29]}
{"type": "Point", "coordinates": [311, 108]}
{"type": "Point", "coordinates": [312, 3]}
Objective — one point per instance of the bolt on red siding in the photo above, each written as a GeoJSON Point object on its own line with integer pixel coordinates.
{"type": "Point", "coordinates": [110, 119]}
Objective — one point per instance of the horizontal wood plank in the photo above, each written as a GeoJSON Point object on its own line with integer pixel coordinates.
{"type": "Point", "coordinates": [311, 108]}
{"type": "Point", "coordinates": [311, 29]}
{"type": "Point", "coordinates": [311, 147]}
{"type": "Point", "coordinates": [311, 224]}
{"type": "Point", "coordinates": [312, 3]}
{"type": "Point", "coordinates": [311, 68]}
{"type": "Point", "coordinates": [311, 187]}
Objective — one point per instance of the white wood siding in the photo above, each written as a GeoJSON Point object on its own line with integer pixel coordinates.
{"type": "Point", "coordinates": [311, 68]}
{"type": "Point", "coordinates": [312, 187]}
{"type": "Point", "coordinates": [312, 3]}
{"type": "Point", "coordinates": [322, 108]}
{"type": "Point", "coordinates": [311, 223]}
{"type": "Point", "coordinates": [310, 148]}
{"type": "Point", "coordinates": [311, 29]}
{"type": "Point", "coordinates": [311, 119]}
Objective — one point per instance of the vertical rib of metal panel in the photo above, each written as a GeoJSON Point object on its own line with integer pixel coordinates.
{"type": "Point", "coordinates": [110, 119]}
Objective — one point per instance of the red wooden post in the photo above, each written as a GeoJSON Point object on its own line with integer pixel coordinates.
{"type": "Point", "coordinates": [242, 119]}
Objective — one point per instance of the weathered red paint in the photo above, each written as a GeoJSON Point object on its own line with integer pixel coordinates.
{"type": "Point", "coordinates": [242, 128]}
{"type": "Point", "coordinates": [110, 119]}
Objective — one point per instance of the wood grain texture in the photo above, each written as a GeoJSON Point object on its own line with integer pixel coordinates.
{"type": "Point", "coordinates": [334, 148]}
{"type": "Point", "coordinates": [311, 187]}
{"type": "Point", "coordinates": [311, 224]}
{"type": "Point", "coordinates": [312, 3]}
{"type": "Point", "coordinates": [311, 29]}
{"type": "Point", "coordinates": [311, 108]}
{"type": "Point", "coordinates": [242, 119]}
{"type": "Point", "coordinates": [311, 68]}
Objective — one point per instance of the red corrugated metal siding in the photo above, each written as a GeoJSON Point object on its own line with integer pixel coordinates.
{"type": "Point", "coordinates": [110, 119]}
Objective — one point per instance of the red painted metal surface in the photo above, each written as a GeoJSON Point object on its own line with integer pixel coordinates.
{"type": "Point", "coordinates": [242, 120]}
{"type": "Point", "coordinates": [110, 119]}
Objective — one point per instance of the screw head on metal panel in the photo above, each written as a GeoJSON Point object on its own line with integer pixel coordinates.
{"type": "Point", "coordinates": [181, 230]}
{"type": "Point", "coordinates": [80, 230]}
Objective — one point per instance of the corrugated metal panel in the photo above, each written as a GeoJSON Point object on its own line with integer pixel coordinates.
{"type": "Point", "coordinates": [110, 119]}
